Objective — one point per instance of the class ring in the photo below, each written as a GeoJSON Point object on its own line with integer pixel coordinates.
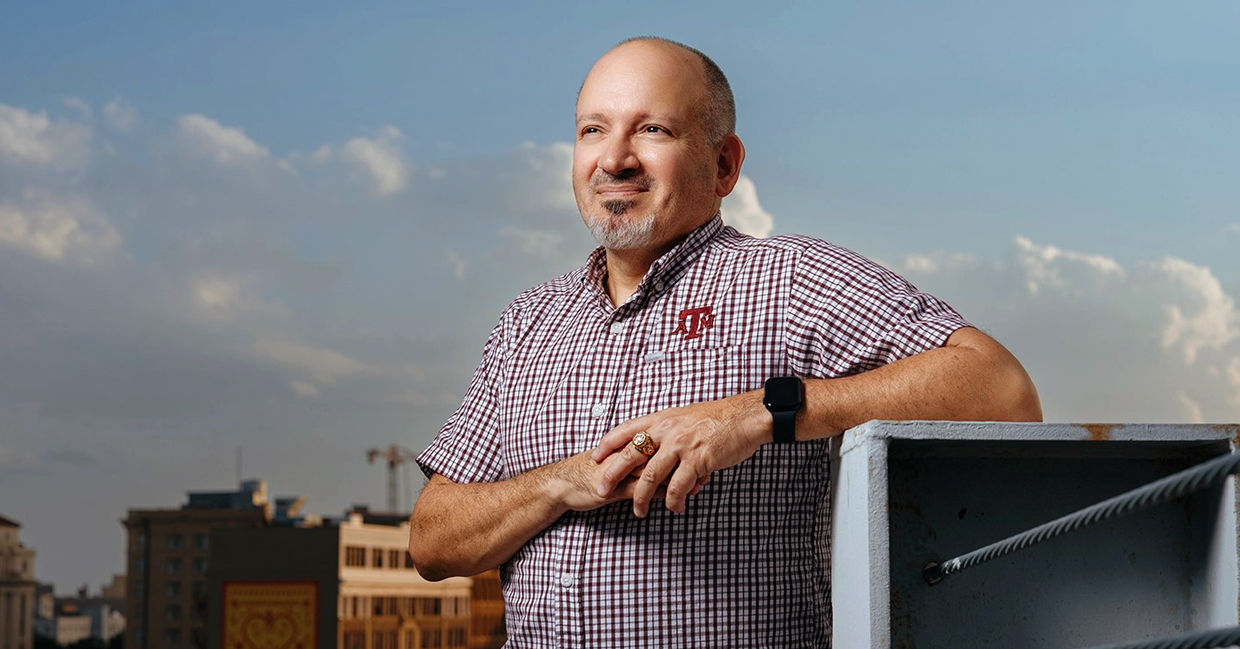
{"type": "Point", "coordinates": [643, 443]}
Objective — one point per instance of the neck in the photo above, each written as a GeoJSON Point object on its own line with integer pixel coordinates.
{"type": "Point", "coordinates": [625, 270]}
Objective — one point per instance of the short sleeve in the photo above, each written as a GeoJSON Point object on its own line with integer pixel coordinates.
{"type": "Point", "coordinates": [467, 447]}
{"type": "Point", "coordinates": [848, 315]}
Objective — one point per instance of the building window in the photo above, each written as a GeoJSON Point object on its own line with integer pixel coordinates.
{"type": "Point", "coordinates": [174, 589]}
{"type": "Point", "coordinates": [141, 590]}
{"type": "Point", "coordinates": [198, 589]}
{"type": "Point", "coordinates": [200, 565]}
{"type": "Point", "coordinates": [142, 541]}
{"type": "Point", "coordinates": [141, 564]}
{"type": "Point", "coordinates": [431, 639]}
{"type": "Point", "coordinates": [174, 566]}
{"type": "Point", "coordinates": [394, 559]}
{"type": "Point", "coordinates": [378, 605]}
{"type": "Point", "coordinates": [409, 561]}
{"type": "Point", "coordinates": [409, 639]}
{"type": "Point", "coordinates": [172, 637]}
{"type": "Point", "coordinates": [431, 606]}
{"type": "Point", "coordinates": [376, 558]}
{"type": "Point", "coordinates": [385, 640]}
{"type": "Point", "coordinates": [354, 640]}
{"type": "Point", "coordinates": [355, 556]}
{"type": "Point", "coordinates": [172, 613]}
{"type": "Point", "coordinates": [174, 542]}
{"type": "Point", "coordinates": [202, 542]}
{"type": "Point", "coordinates": [456, 637]}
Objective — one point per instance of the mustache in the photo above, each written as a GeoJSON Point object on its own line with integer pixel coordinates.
{"type": "Point", "coordinates": [602, 178]}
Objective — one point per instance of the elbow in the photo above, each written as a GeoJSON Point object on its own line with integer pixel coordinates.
{"type": "Point", "coordinates": [425, 561]}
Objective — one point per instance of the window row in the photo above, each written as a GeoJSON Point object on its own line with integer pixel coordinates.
{"type": "Point", "coordinates": [431, 639]}
{"type": "Point", "coordinates": [355, 556]}
{"type": "Point", "coordinates": [363, 607]}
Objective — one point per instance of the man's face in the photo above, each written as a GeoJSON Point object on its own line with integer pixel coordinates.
{"type": "Point", "coordinates": [643, 172]}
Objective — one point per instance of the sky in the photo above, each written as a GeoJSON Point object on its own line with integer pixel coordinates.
{"type": "Point", "coordinates": [288, 227]}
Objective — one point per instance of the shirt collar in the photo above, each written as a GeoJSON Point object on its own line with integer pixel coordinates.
{"type": "Point", "coordinates": [666, 269]}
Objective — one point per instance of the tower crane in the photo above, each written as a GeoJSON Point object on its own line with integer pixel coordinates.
{"type": "Point", "coordinates": [395, 455]}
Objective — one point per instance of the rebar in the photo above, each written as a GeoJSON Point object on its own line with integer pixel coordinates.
{"type": "Point", "coordinates": [1173, 486]}
{"type": "Point", "coordinates": [1212, 639]}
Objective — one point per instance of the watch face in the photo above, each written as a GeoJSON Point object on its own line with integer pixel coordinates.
{"type": "Point", "coordinates": [783, 392]}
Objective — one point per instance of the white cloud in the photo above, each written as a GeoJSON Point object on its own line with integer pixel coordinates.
{"type": "Point", "coordinates": [119, 114]}
{"type": "Point", "coordinates": [224, 298]}
{"type": "Point", "coordinates": [225, 145]}
{"type": "Point", "coordinates": [1062, 269]}
{"type": "Point", "coordinates": [58, 229]}
{"type": "Point", "coordinates": [537, 243]}
{"type": "Point", "coordinates": [742, 211]}
{"type": "Point", "coordinates": [457, 262]}
{"type": "Point", "coordinates": [304, 389]}
{"type": "Point", "coordinates": [380, 159]}
{"type": "Point", "coordinates": [1157, 341]}
{"type": "Point", "coordinates": [321, 365]}
{"type": "Point", "coordinates": [33, 138]}
{"type": "Point", "coordinates": [1203, 316]}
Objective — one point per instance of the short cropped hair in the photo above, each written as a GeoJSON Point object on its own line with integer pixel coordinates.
{"type": "Point", "coordinates": [718, 114]}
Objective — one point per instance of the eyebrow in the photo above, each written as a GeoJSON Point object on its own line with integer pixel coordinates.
{"type": "Point", "coordinates": [600, 117]}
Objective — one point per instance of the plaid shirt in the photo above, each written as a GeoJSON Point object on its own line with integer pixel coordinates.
{"type": "Point", "coordinates": [748, 564]}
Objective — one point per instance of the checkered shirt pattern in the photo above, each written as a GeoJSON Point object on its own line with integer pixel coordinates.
{"type": "Point", "coordinates": [748, 564]}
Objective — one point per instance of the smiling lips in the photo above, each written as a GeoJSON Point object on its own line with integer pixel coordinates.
{"type": "Point", "coordinates": [617, 191]}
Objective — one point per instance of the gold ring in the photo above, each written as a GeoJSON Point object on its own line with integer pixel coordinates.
{"type": "Point", "coordinates": [643, 443]}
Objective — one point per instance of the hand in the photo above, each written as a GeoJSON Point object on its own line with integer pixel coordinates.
{"type": "Point", "coordinates": [575, 480]}
{"type": "Point", "coordinates": [691, 442]}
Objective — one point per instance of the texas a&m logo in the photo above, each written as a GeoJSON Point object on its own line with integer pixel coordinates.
{"type": "Point", "coordinates": [694, 322]}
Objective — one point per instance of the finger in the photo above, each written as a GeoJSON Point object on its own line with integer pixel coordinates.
{"type": "Point", "coordinates": [619, 436]}
{"type": "Point", "coordinates": [683, 481]}
{"type": "Point", "coordinates": [660, 465]}
{"type": "Point", "coordinates": [616, 467]}
{"type": "Point", "coordinates": [701, 483]}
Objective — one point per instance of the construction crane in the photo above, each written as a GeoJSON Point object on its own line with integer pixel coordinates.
{"type": "Point", "coordinates": [395, 455]}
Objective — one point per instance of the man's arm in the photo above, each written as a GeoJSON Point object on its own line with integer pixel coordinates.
{"type": "Point", "coordinates": [970, 378]}
{"type": "Point", "coordinates": [464, 529]}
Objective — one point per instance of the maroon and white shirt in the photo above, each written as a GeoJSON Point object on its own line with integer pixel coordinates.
{"type": "Point", "coordinates": [748, 564]}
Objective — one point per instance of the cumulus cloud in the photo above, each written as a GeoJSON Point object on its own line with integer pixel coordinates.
{"type": "Point", "coordinates": [1154, 341]}
{"type": "Point", "coordinates": [58, 229]}
{"type": "Point", "coordinates": [742, 211]}
{"type": "Point", "coordinates": [28, 138]}
{"type": "Point", "coordinates": [321, 365]}
{"type": "Point", "coordinates": [1201, 316]}
{"type": "Point", "coordinates": [1232, 228]}
{"type": "Point", "coordinates": [379, 159]}
{"type": "Point", "coordinates": [225, 145]}
{"type": "Point", "coordinates": [119, 114]}
{"type": "Point", "coordinates": [222, 297]}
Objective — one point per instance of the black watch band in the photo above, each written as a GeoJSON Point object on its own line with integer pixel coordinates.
{"type": "Point", "coordinates": [785, 426]}
{"type": "Point", "coordinates": [784, 396]}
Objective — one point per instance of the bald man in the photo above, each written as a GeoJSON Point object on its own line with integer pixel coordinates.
{"type": "Point", "coordinates": [642, 449]}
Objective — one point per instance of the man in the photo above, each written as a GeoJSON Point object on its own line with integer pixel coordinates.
{"type": "Point", "coordinates": [643, 375]}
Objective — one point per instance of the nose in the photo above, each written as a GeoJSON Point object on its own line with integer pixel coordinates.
{"type": "Point", "coordinates": [619, 156]}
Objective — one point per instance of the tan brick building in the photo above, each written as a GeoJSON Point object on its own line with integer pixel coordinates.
{"type": "Point", "coordinates": [17, 588]}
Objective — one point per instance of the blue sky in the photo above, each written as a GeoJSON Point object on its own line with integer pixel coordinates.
{"type": "Point", "coordinates": [289, 226]}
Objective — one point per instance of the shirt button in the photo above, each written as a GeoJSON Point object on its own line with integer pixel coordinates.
{"type": "Point", "coordinates": [598, 410]}
{"type": "Point", "coordinates": [617, 327]}
{"type": "Point", "coordinates": [658, 285]}
{"type": "Point", "coordinates": [566, 580]}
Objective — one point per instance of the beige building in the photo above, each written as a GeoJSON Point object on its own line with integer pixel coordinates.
{"type": "Point", "coordinates": [350, 585]}
{"type": "Point", "coordinates": [17, 588]}
{"type": "Point", "coordinates": [167, 563]}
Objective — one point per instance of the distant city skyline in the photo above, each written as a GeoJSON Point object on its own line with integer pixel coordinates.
{"type": "Point", "coordinates": [291, 230]}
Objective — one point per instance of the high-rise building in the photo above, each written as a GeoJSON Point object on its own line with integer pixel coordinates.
{"type": "Point", "coordinates": [17, 587]}
{"type": "Point", "coordinates": [168, 558]}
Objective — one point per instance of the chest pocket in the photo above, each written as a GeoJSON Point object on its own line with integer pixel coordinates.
{"type": "Point", "coordinates": [689, 375]}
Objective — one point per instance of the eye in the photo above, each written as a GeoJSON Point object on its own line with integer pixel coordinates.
{"type": "Point", "coordinates": [590, 130]}
{"type": "Point", "coordinates": [654, 129]}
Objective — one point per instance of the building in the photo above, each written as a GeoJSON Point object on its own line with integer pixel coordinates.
{"type": "Point", "coordinates": [17, 589]}
{"type": "Point", "coordinates": [85, 616]}
{"type": "Point", "coordinates": [351, 585]}
{"type": "Point", "coordinates": [168, 557]}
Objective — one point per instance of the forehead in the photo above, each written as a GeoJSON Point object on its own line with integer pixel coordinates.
{"type": "Point", "coordinates": [643, 78]}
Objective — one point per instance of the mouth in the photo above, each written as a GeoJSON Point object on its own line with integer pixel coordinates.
{"type": "Point", "coordinates": [619, 191]}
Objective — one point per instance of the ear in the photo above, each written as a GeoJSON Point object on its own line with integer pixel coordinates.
{"type": "Point", "coordinates": [731, 155]}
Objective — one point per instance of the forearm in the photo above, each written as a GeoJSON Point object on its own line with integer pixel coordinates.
{"type": "Point", "coordinates": [971, 378]}
{"type": "Point", "coordinates": [464, 529]}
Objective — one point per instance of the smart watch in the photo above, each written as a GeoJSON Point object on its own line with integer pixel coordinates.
{"type": "Point", "coordinates": [784, 397]}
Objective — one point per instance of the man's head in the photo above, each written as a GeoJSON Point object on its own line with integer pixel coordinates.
{"type": "Point", "coordinates": [655, 150]}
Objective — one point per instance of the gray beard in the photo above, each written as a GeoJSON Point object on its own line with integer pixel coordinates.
{"type": "Point", "coordinates": [615, 232]}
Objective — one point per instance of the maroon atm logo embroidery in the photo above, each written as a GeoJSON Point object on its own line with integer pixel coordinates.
{"type": "Point", "coordinates": [694, 322]}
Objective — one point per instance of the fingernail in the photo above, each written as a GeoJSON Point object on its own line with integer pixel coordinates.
{"type": "Point", "coordinates": [602, 491]}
